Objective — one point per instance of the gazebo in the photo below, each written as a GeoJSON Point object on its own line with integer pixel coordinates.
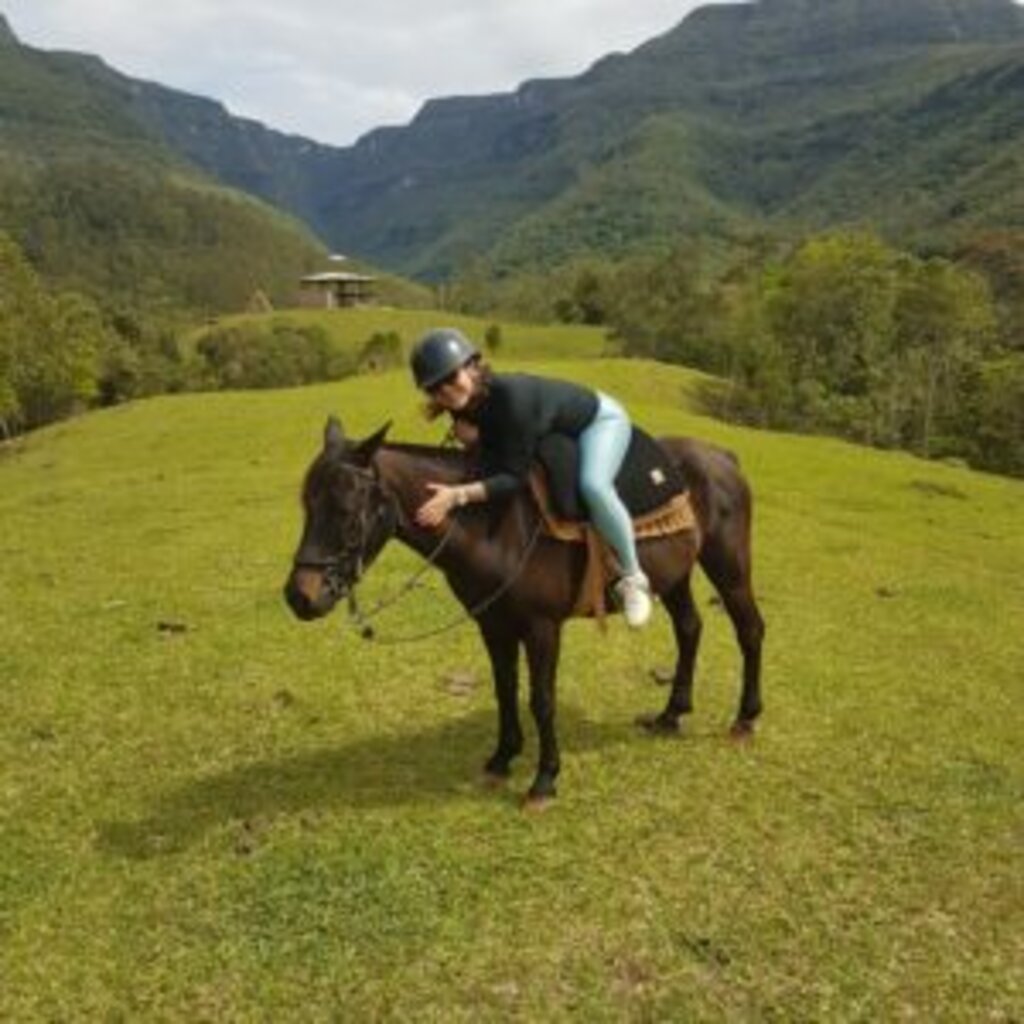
{"type": "Point", "coordinates": [336, 290]}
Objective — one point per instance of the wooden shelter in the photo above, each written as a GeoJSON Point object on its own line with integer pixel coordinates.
{"type": "Point", "coordinates": [336, 290]}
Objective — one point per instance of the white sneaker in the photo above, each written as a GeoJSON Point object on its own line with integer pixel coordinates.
{"type": "Point", "coordinates": [634, 591]}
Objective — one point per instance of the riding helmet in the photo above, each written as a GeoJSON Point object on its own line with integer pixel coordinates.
{"type": "Point", "coordinates": [439, 353]}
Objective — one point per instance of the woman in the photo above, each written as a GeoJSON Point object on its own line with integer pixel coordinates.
{"type": "Point", "coordinates": [512, 412]}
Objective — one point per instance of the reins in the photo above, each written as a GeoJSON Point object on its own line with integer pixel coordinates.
{"type": "Point", "coordinates": [354, 556]}
{"type": "Point", "coordinates": [362, 619]}
{"type": "Point", "coordinates": [366, 630]}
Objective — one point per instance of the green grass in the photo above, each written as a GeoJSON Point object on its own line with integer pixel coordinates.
{"type": "Point", "coordinates": [350, 329]}
{"type": "Point", "coordinates": [257, 819]}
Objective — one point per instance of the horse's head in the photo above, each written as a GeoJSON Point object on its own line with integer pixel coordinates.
{"type": "Point", "coordinates": [349, 518]}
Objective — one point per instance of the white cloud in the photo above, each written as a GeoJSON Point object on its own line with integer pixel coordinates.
{"type": "Point", "coordinates": [333, 71]}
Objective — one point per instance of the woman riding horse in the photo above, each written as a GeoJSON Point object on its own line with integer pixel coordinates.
{"type": "Point", "coordinates": [512, 414]}
{"type": "Point", "coordinates": [519, 585]}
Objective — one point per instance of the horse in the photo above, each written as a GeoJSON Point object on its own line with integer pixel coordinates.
{"type": "Point", "coordinates": [518, 584]}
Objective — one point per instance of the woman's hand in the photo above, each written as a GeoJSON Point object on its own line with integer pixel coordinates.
{"type": "Point", "coordinates": [465, 432]}
{"type": "Point", "coordinates": [436, 508]}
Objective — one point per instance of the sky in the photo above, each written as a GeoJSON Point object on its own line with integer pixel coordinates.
{"type": "Point", "coordinates": [331, 69]}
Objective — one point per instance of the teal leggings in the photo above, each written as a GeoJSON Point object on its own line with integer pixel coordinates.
{"type": "Point", "coordinates": [602, 448]}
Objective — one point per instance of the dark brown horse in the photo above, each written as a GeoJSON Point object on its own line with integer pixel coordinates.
{"type": "Point", "coordinates": [521, 586]}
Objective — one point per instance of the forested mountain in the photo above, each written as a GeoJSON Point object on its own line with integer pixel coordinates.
{"type": "Point", "coordinates": [98, 200]}
{"type": "Point", "coordinates": [907, 115]}
{"type": "Point", "coordinates": [782, 114]}
{"type": "Point", "coordinates": [779, 115]}
{"type": "Point", "coordinates": [789, 114]}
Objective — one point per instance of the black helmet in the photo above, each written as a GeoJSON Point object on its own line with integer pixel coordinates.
{"type": "Point", "coordinates": [440, 353]}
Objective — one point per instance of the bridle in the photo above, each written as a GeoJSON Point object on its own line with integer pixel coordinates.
{"type": "Point", "coordinates": [373, 529]}
{"type": "Point", "coordinates": [343, 570]}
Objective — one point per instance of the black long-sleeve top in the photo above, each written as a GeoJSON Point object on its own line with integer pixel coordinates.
{"type": "Point", "coordinates": [518, 411]}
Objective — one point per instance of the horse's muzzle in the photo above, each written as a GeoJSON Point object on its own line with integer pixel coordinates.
{"type": "Point", "coordinates": [311, 594]}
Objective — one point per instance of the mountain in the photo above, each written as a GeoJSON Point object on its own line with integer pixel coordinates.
{"type": "Point", "coordinates": [778, 116]}
{"type": "Point", "coordinates": [784, 113]}
{"type": "Point", "coordinates": [100, 202]}
{"type": "Point", "coordinates": [7, 36]}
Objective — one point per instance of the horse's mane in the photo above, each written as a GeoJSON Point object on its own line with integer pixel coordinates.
{"type": "Point", "coordinates": [453, 459]}
{"type": "Point", "coordinates": [430, 451]}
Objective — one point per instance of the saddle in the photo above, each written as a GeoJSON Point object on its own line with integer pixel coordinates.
{"type": "Point", "coordinates": [653, 490]}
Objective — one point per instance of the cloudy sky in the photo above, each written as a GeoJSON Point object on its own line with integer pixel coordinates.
{"type": "Point", "coordinates": [332, 69]}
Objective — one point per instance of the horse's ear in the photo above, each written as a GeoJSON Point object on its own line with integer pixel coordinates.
{"type": "Point", "coordinates": [365, 450]}
{"type": "Point", "coordinates": [334, 435]}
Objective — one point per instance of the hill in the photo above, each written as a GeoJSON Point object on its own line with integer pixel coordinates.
{"type": "Point", "coordinates": [349, 329]}
{"type": "Point", "coordinates": [100, 203]}
{"type": "Point", "coordinates": [212, 811]}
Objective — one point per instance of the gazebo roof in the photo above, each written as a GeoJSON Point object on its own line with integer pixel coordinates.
{"type": "Point", "coordinates": [336, 277]}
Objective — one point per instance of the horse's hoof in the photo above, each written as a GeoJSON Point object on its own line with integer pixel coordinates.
{"type": "Point", "coordinates": [741, 731]}
{"type": "Point", "coordinates": [536, 803]}
{"type": "Point", "coordinates": [658, 725]}
{"type": "Point", "coordinates": [494, 780]}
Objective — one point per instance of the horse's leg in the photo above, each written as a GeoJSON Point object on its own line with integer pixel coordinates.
{"type": "Point", "coordinates": [687, 625]}
{"type": "Point", "coordinates": [502, 644]}
{"type": "Point", "coordinates": [749, 626]}
{"type": "Point", "coordinates": [730, 573]}
{"type": "Point", "coordinates": [543, 641]}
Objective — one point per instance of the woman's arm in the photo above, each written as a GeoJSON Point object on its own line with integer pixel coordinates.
{"type": "Point", "coordinates": [445, 497]}
{"type": "Point", "coordinates": [465, 432]}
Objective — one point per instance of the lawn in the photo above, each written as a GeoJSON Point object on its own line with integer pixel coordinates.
{"type": "Point", "coordinates": [350, 329]}
{"type": "Point", "coordinates": [211, 812]}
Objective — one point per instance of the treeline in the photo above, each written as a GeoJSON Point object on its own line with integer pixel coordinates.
{"type": "Point", "coordinates": [61, 352]}
{"type": "Point", "coordinates": [841, 334]}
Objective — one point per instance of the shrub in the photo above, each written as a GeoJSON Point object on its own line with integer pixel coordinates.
{"type": "Point", "coordinates": [493, 338]}
{"type": "Point", "coordinates": [254, 356]}
{"type": "Point", "coordinates": [382, 351]}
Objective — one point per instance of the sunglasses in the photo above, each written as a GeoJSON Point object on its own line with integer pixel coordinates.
{"type": "Point", "coordinates": [434, 388]}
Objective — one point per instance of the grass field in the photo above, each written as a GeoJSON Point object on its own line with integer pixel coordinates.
{"type": "Point", "coordinates": [211, 812]}
{"type": "Point", "coordinates": [350, 329]}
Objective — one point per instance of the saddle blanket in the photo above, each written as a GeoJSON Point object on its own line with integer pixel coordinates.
{"type": "Point", "coordinates": [646, 481]}
{"type": "Point", "coordinates": [673, 517]}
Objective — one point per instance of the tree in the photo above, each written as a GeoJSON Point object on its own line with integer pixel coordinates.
{"type": "Point", "coordinates": [382, 351]}
{"type": "Point", "coordinates": [493, 338]}
{"type": "Point", "coordinates": [999, 255]}
{"type": "Point", "coordinates": [998, 417]}
{"type": "Point", "coordinates": [51, 346]}
{"type": "Point", "coordinates": [659, 309]}
{"type": "Point", "coordinates": [944, 320]}
{"type": "Point", "coordinates": [831, 308]}
{"type": "Point", "coordinates": [850, 336]}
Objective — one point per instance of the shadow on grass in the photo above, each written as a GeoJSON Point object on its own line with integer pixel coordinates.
{"type": "Point", "coordinates": [435, 765]}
